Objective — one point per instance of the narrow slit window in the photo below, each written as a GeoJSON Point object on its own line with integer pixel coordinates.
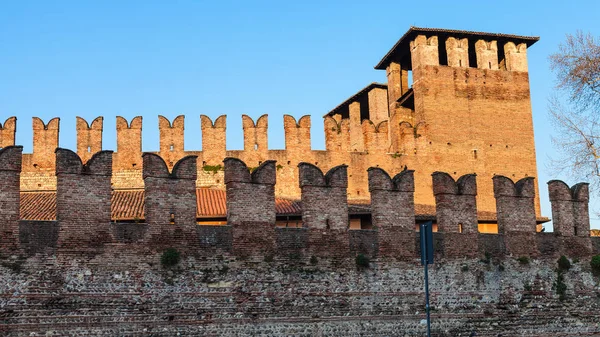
{"type": "Point", "coordinates": [172, 148]}
{"type": "Point", "coordinates": [89, 149]}
{"type": "Point", "coordinates": [172, 218]}
{"type": "Point", "coordinates": [474, 154]}
{"type": "Point", "coordinates": [460, 229]}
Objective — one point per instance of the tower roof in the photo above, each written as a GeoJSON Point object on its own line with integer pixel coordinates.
{"type": "Point", "coordinates": [401, 48]}
{"type": "Point", "coordinates": [355, 97]}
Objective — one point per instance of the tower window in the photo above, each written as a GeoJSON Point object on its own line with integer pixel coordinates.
{"type": "Point", "coordinates": [460, 229]}
{"type": "Point", "coordinates": [89, 149]}
{"type": "Point", "coordinates": [474, 154]}
{"type": "Point", "coordinates": [172, 148]}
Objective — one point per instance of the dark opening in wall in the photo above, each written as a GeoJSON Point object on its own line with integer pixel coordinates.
{"type": "Point", "coordinates": [501, 58]}
{"type": "Point", "coordinates": [474, 154]}
{"type": "Point", "coordinates": [472, 55]}
{"type": "Point", "coordinates": [443, 55]}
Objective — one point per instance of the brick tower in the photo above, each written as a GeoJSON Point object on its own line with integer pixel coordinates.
{"type": "Point", "coordinates": [457, 101]}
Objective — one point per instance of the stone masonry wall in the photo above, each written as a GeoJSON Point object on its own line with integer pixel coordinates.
{"type": "Point", "coordinates": [225, 296]}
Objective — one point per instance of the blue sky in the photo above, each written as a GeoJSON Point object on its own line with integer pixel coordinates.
{"type": "Point", "coordinates": [129, 58]}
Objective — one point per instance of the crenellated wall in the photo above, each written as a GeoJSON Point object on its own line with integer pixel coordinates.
{"type": "Point", "coordinates": [7, 132]}
{"type": "Point", "coordinates": [170, 201]}
{"type": "Point", "coordinates": [171, 139]}
{"type": "Point", "coordinates": [251, 206]}
{"type": "Point", "coordinates": [10, 171]}
{"type": "Point", "coordinates": [89, 137]}
{"type": "Point", "coordinates": [325, 208]}
{"type": "Point", "coordinates": [387, 230]}
{"type": "Point", "coordinates": [83, 196]}
{"type": "Point", "coordinates": [393, 211]}
{"type": "Point", "coordinates": [456, 213]}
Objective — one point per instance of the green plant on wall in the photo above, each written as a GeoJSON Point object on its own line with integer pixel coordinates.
{"type": "Point", "coordinates": [212, 168]}
{"type": "Point", "coordinates": [170, 258]}
{"type": "Point", "coordinates": [595, 264]}
{"type": "Point", "coordinates": [362, 261]}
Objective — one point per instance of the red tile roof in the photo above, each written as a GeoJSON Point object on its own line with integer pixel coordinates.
{"type": "Point", "coordinates": [211, 203]}
{"type": "Point", "coordinates": [129, 205]}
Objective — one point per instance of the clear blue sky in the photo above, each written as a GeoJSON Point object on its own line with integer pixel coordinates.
{"type": "Point", "coordinates": [129, 58]}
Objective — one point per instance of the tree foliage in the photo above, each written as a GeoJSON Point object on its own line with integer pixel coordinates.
{"type": "Point", "coordinates": [575, 107]}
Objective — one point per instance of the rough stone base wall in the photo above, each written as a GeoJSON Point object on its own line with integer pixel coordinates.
{"type": "Point", "coordinates": [328, 242]}
{"type": "Point", "coordinates": [364, 242]}
{"type": "Point", "coordinates": [253, 238]}
{"type": "Point", "coordinates": [397, 242]}
{"type": "Point", "coordinates": [129, 232]}
{"type": "Point", "coordinates": [457, 245]}
{"type": "Point", "coordinates": [226, 296]}
{"type": "Point", "coordinates": [576, 246]}
{"type": "Point", "coordinates": [492, 245]}
{"type": "Point", "coordinates": [214, 238]}
{"type": "Point", "coordinates": [521, 243]}
{"type": "Point", "coordinates": [183, 237]}
{"type": "Point", "coordinates": [291, 241]}
{"type": "Point", "coordinates": [38, 237]}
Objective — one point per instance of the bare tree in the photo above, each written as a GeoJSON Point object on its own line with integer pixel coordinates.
{"type": "Point", "coordinates": [575, 107]}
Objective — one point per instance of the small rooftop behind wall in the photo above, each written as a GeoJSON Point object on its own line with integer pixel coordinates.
{"type": "Point", "coordinates": [369, 103]}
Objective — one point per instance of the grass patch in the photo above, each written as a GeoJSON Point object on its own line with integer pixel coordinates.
{"type": "Point", "coordinates": [170, 258]}
{"type": "Point", "coordinates": [362, 261]}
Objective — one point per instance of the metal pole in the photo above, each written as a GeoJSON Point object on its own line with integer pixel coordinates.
{"type": "Point", "coordinates": [427, 301]}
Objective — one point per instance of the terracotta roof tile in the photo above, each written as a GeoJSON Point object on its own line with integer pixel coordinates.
{"type": "Point", "coordinates": [129, 205]}
{"type": "Point", "coordinates": [38, 205]}
{"type": "Point", "coordinates": [211, 203]}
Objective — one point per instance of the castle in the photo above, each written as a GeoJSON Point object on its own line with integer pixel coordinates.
{"type": "Point", "coordinates": [467, 110]}
{"type": "Point", "coordinates": [283, 242]}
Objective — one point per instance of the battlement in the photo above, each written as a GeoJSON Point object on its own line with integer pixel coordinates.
{"type": "Point", "coordinates": [83, 209]}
